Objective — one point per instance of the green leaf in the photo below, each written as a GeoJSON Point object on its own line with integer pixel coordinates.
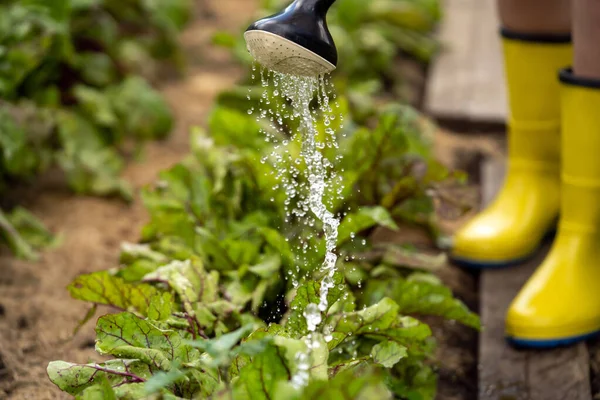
{"type": "Point", "coordinates": [400, 256]}
{"type": "Point", "coordinates": [280, 244]}
{"type": "Point", "coordinates": [176, 13]}
{"type": "Point", "coordinates": [416, 295]}
{"type": "Point", "coordinates": [17, 155]}
{"type": "Point", "coordinates": [259, 379]}
{"type": "Point", "coordinates": [161, 307]}
{"type": "Point", "coordinates": [380, 322]}
{"type": "Point", "coordinates": [168, 205]}
{"type": "Point", "coordinates": [75, 378]}
{"type": "Point", "coordinates": [388, 353]}
{"type": "Point", "coordinates": [104, 288]}
{"type": "Point", "coordinates": [96, 68]}
{"type": "Point", "coordinates": [90, 165]}
{"type": "Point", "coordinates": [58, 9]}
{"type": "Point", "coordinates": [141, 110]}
{"type": "Point", "coordinates": [162, 379]}
{"type": "Point", "coordinates": [413, 381]}
{"type": "Point", "coordinates": [213, 251]}
{"type": "Point", "coordinates": [356, 383]}
{"type": "Point", "coordinates": [230, 126]}
{"type": "Point", "coordinates": [318, 354]}
{"type": "Point", "coordinates": [211, 316]}
{"type": "Point", "coordinates": [309, 293]}
{"type": "Point", "coordinates": [24, 233]}
{"type": "Point", "coordinates": [220, 348]}
{"type": "Point", "coordinates": [29, 35]}
{"type": "Point", "coordinates": [131, 252]}
{"type": "Point", "coordinates": [189, 280]}
{"type": "Point", "coordinates": [224, 39]}
{"type": "Point", "coordinates": [96, 106]}
{"type": "Point", "coordinates": [125, 335]}
{"type": "Point", "coordinates": [365, 218]}
{"type": "Point", "coordinates": [267, 267]}
{"type": "Point", "coordinates": [103, 390]}
{"type": "Point", "coordinates": [31, 229]}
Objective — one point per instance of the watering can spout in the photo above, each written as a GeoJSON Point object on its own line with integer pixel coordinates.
{"type": "Point", "coordinates": [295, 41]}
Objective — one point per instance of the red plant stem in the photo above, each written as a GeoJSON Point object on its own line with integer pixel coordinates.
{"type": "Point", "coordinates": [134, 378]}
{"type": "Point", "coordinates": [192, 325]}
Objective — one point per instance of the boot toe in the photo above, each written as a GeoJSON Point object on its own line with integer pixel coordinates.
{"type": "Point", "coordinates": [538, 327]}
{"type": "Point", "coordinates": [549, 311]}
{"type": "Point", "coordinates": [484, 242]}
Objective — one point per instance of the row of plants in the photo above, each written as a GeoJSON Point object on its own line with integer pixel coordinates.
{"type": "Point", "coordinates": [210, 303]}
{"type": "Point", "coordinates": [72, 96]}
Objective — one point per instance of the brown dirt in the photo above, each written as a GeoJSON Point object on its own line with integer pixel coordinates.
{"type": "Point", "coordinates": [37, 316]}
{"type": "Point", "coordinates": [458, 345]}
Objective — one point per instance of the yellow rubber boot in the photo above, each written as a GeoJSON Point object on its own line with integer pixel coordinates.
{"type": "Point", "coordinates": [526, 209]}
{"type": "Point", "coordinates": [560, 303]}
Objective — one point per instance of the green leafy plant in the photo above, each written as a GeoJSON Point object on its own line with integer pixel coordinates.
{"type": "Point", "coordinates": [70, 93]}
{"type": "Point", "coordinates": [211, 303]}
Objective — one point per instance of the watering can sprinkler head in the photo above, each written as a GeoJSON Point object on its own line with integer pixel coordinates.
{"type": "Point", "coordinates": [295, 41]}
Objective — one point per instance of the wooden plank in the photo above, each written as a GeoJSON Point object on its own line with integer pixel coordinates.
{"type": "Point", "coordinates": [488, 100]}
{"type": "Point", "coordinates": [508, 373]}
{"type": "Point", "coordinates": [466, 81]}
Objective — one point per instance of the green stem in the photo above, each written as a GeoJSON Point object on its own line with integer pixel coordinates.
{"type": "Point", "coordinates": [15, 240]}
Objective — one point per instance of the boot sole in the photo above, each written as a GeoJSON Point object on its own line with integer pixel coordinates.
{"type": "Point", "coordinates": [481, 265]}
{"type": "Point", "coordinates": [521, 343]}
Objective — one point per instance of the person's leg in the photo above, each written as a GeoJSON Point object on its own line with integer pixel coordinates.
{"type": "Point", "coordinates": [561, 302]}
{"type": "Point", "coordinates": [537, 45]}
{"type": "Point", "coordinates": [536, 16]}
{"type": "Point", "coordinates": [586, 36]}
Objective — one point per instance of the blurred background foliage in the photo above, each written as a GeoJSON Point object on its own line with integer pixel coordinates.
{"type": "Point", "coordinates": [74, 91]}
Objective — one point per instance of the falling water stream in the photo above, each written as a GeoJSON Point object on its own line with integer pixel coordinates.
{"type": "Point", "coordinates": [299, 92]}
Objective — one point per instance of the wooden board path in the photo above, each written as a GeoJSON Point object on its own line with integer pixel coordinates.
{"type": "Point", "coordinates": [466, 81]}
{"type": "Point", "coordinates": [504, 372]}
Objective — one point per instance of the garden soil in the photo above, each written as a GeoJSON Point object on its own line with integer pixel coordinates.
{"type": "Point", "coordinates": [37, 315]}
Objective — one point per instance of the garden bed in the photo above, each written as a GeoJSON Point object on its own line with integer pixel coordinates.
{"type": "Point", "coordinates": [37, 316]}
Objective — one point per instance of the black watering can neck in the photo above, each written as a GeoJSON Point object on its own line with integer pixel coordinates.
{"type": "Point", "coordinates": [319, 6]}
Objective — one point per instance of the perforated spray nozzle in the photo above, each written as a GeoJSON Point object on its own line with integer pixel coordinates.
{"type": "Point", "coordinates": [295, 41]}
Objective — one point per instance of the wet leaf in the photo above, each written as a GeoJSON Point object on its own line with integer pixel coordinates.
{"type": "Point", "coordinates": [388, 353]}
{"type": "Point", "coordinates": [309, 293]}
{"type": "Point", "coordinates": [126, 336]}
{"type": "Point", "coordinates": [259, 379]}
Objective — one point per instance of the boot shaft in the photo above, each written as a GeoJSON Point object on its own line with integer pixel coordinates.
{"type": "Point", "coordinates": [580, 172]}
{"type": "Point", "coordinates": [531, 67]}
